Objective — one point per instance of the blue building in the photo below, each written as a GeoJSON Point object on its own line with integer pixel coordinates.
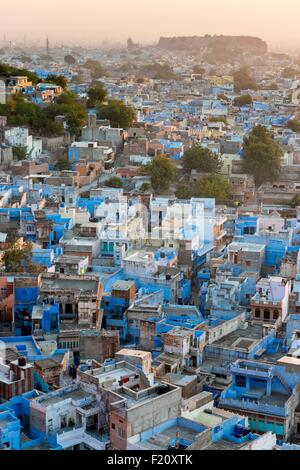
{"type": "Point", "coordinates": [265, 393]}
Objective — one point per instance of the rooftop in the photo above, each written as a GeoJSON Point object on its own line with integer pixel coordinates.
{"type": "Point", "coordinates": [241, 338]}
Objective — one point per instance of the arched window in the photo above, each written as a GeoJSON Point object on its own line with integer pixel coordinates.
{"type": "Point", "coordinates": [267, 314]}
{"type": "Point", "coordinates": [257, 313]}
{"type": "Point", "coordinates": [275, 314]}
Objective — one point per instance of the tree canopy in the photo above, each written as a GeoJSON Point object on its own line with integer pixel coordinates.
{"type": "Point", "coordinates": [243, 80]}
{"type": "Point", "coordinates": [262, 155]}
{"type": "Point", "coordinates": [201, 159]}
{"type": "Point", "coordinates": [198, 69]}
{"type": "Point", "coordinates": [17, 259]}
{"type": "Point", "coordinates": [117, 112]}
{"type": "Point", "coordinates": [162, 171]}
{"type": "Point", "coordinates": [157, 71]}
{"type": "Point", "coordinates": [95, 67]}
{"type": "Point", "coordinates": [294, 125]}
{"type": "Point", "coordinates": [243, 100]}
{"type": "Point", "coordinates": [96, 95]}
{"type": "Point", "coordinates": [59, 80]}
{"type": "Point", "coordinates": [8, 70]}
{"type": "Point", "coordinates": [19, 152]}
{"type": "Point", "coordinates": [41, 120]}
{"type": "Point", "coordinates": [22, 113]}
{"type": "Point", "coordinates": [114, 182]}
{"type": "Point", "coordinates": [62, 164]}
{"type": "Point", "coordinates": [211, 186]}
{"type": "Point", "coordinates": [70, 60]}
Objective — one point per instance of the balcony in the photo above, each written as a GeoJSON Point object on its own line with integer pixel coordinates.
{"type": "Point", "coordinates": [251, 369]}
{"type": "Point", "coordinates": [254, 407]}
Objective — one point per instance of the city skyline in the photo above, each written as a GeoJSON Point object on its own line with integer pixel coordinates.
{"type": "Point", "coordinates": [273, 22]}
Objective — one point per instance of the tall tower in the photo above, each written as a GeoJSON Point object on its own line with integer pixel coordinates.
{"type": "Point", "coordinates": [47, 46]}
{"type": "Point", "coordinates": [130, 43]}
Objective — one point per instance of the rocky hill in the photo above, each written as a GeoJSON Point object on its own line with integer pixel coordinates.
{"type": "Point", "coordinates": [247, 44]}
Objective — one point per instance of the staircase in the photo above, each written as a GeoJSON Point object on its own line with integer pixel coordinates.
{"type": "Point", "coordinates": [284, 382]}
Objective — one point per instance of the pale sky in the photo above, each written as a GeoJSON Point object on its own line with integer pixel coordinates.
{"type": "Point", "coordinates": [75, 21]}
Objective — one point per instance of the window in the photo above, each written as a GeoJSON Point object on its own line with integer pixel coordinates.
{"type": "Point", "coordinates": [240, 381]}
{"type": "Point", "coordinates": [267, 314]}
{"type": "Point", "coordinates": [121, 433]}
{"type": "Point", "coordinates": [113, 426]}
{"type": "Point", "coordinates": [257, 313]}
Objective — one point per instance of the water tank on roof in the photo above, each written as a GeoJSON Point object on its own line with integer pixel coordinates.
{"type": "Point", "coordinates": [22, 361]}
{"type": "Point", "coordinates": [162, 389]}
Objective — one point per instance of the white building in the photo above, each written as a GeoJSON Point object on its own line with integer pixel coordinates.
{"type": "Point", "coordinates": [19, 137]}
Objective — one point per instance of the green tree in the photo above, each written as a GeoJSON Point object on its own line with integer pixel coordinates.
{"type": "Point", "coordinates": [294, 125]}
{"type": "Point", "coordinates": [262, 155]}
{"type": "Point", "coordinates": [69, 59]}
{"type": "Point", "coordinates": [72, 109]}
{"type": "Point", "coordinates": [217, 119]}
{"type": "Point", "coordinates": [158, 71]}
{"type": "Point", "coordinates": [184, 191]}
{"type": "Point", "coordinates": [8, 70]}
{"type": "Point", "coordinates": [96, 95]}
{"type": "Point", "coordinates": [22, 113]}
{"type": "Point", "coordinates": [162, 171]}
{"type": "Point", "coordinates": [59, 80]}
{"type": "Point", "coordinates": [95, 67]}
{"type": "Point", "coordinates": [243, 80]}
{"type": "Point", "coordinates": [62, 164]}
{"type": "Point", "coordinates": [19, 152]}
{"type": "Point", "coordinates": [199, 70]}
{"type": "Point", "coordinates": [243, 100]}
{"type": "Point", "coordinates": [17, 259]}
{"type": "Point", "coordinates": [145, 187]}
{"type": "Point", "coordinates": [201, 159]}
{"type": "Point", "coordinates": [76, 119]}
{"type": "Point", "coordinates": [114, 182]}
{"type": "Point", "coordinates": [68, 98]}
{"type": "Point", "coordinates": [117, 112]}
{"type": "Point", "coordinates": [212, 186]}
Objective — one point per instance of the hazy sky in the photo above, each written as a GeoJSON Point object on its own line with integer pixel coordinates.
{"type": "Point", "coordinates": [77, 21]}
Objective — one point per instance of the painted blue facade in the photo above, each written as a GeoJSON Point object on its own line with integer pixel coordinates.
{"type": "Point", "coordinates": [73, 154]}
{"type": "Point", "coordinates": [50, 319]}
{"type": "Point", "coordinates": [15, 413]}
{"type": "Point", "coordinates": [42, 257]}
{"type": "Point", "coordinates": [245, 225]}
{"type": "Point", "coordinates": [25, 299]}
{"type": "Point", "coordinates": [10, 431]}
{"type": "Point", "coordinates": [261, 389]}
{"type": "Point", "coordinates": [89, 204]}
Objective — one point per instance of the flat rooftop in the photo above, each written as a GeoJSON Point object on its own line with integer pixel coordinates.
{"type": "Point", "coordinates": [24, 345]}
{"type": "Point", "coordinates": [247, 338]}
{"type": "Point", "coordinates": [213, 418]}
{"type": "Point", "coordinates": [133, 353]}
{"type": "Point", "coordinates": [115, 374]}
{"type": "Point", "coordinates": [163, 439]}
{"type": "Point", "coordinates": [53, 398]}
{"type": "Point", "coordinates": [123, 285]}
{"type": "Point", "coordinates": [181, 380]}
{"type": "Point", "coordinates": [238, 246]}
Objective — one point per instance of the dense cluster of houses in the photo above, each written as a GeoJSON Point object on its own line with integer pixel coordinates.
{"type": "Point", "coordinates": [146, 321]}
